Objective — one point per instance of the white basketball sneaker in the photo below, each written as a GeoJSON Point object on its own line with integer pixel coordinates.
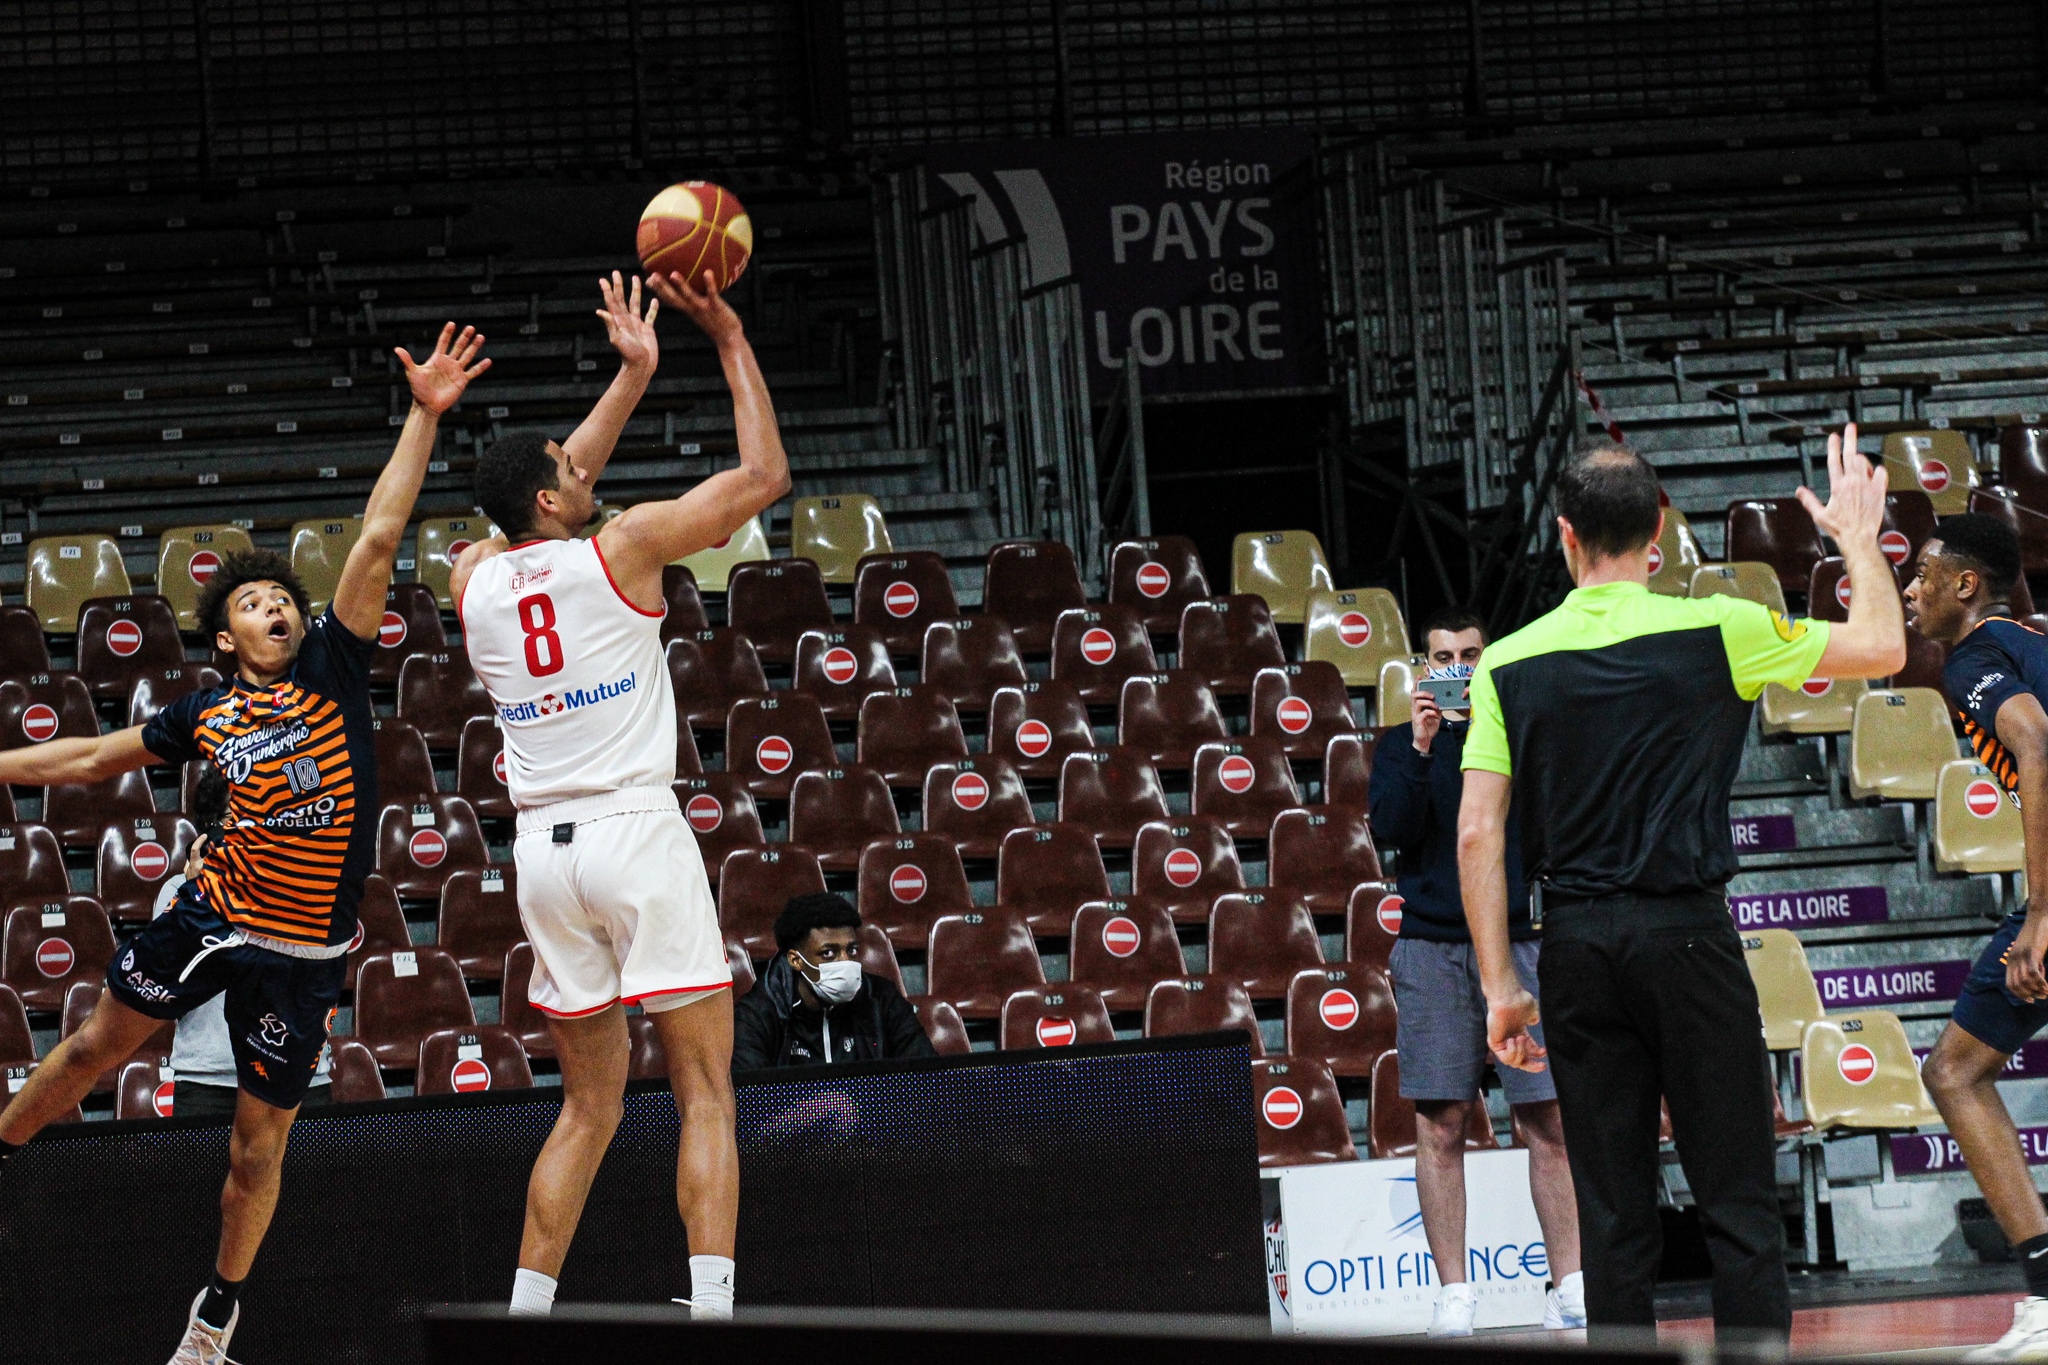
{"type": "Point", "coordinates": [204, 1345]}
{"type": "Point", "coordinates": [2028, 1338]}
{"type": "Point", "coordinates": [1565, 1303]}
{"type": "Point", "coordinates": [1455, 1306]}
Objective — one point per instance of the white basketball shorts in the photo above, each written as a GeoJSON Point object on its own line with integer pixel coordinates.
{"type": "Point", "coordinates": [622, 910]}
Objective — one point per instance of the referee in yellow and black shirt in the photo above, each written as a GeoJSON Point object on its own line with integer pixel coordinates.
{"type": "Point", "coordinates": [1617, 722]}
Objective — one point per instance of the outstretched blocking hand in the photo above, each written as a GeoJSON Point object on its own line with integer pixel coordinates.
{"type": "Point", "coordinates": [1854, 511]}
{"type": "Point", "coordinates": [701, 303]}
{"type": "Point", "coordinates": [631, 334]}
{"type": "Point", "coordinates": [438, 382]}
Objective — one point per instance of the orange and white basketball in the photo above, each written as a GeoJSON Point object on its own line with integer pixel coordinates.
{"type": "Point", "coordinates": [694, 227]}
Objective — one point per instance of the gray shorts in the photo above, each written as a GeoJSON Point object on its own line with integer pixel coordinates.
{"type": "Point", "coordinates": [1442, 1024]}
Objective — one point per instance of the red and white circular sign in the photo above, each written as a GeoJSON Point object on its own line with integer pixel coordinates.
{"type": "Point", "coordinates": [1098, 646]}
{"type": "Point", "coordinates": [1895, 546]}
{"type": "Point", "coordinates": [1857, 1064]}
{"type": "Point", "coordinates": [1153, 579]}
{"type": "Point", "coordinates": [55, 957]}
{"type": "Point", "coordinates": [1236, 773]}
{"type": "Point", "coordinates": [164, 1099]}
{"type": "Point", "coordinates": [1183, 868]}
{"type": "Point", "coordinates": [704, 813]}
{"type": "Point", "coordinates": [150, 860]}
{"type": "Point", "coordinates": [1817, 687]}
{"type": "Point", "coordinates": [1982, 799]}
{"type": "Point", "coordinates": [1354, 629]}
{"type": "Point", "coordinates": [1120, 936]}
{"type": "Point", "coordinates": [774, 754]}
{"type": "Point", "coordinates": [205, 564]}
{"type": "Point", "coordinates": [840, 665]}
{"type": "Point", "coordinates": [1055, 1031]}
{"type": "Point", "coordinates": [427, 847]}
{"type": "Point", "coordinates": [1933, 475]}
{"type": "Point", "coordinates": [498, 767]}
{"type": "Point", "coordinates": [470, 1074]}
{"type": "Point", "coordinates": [1656, 558]}
{"type": "Point", "coordinates": [1843, 591]}
{"type": "Point", "coordinates": [455, 548]}
{"type": "Point", "coordinates": [1389, 914]}
{"type": "Point", "coordinates": [124, 638]}
{"type": "Point", "coordinates": [907, 884]}
{"type": "Point", "coordinates": [391, 632]}
{"type": "Point", "coordinates": [1293, 714]}
{"type": "Point", "coordinates": [970, 791]}
{"type": "Point", "coordinates": [901, 599]}
{"type": "Point", "coordinates": [1339, 1008]}
{"type": "Point", "coordinates": [1282, 1107]}
{"type": "Point", "coordinates": [38, 722]}
{"type": "Point", "coordinates": [1034, 738]}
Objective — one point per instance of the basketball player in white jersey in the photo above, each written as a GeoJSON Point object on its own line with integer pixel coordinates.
{"type": "Point", "coordinates": [565, 635]}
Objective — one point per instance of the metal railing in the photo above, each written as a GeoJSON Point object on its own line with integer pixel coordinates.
{"type": "Point", "coordinates": [1120, 444]}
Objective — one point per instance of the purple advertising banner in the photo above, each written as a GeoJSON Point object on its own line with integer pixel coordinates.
{"type": "Point", "coordinates": [1934, 1152]}
{"type": "Point", "coordinates": [1904, 983]}
{"type": "Point", "coordinates": [1811, 909]}
{"type": "Point", "coordinates": [1763, 833]}
{"type": "Point", "coordinates": [2029, 1063]}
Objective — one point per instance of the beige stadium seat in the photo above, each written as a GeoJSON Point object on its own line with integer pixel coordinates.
{"type": "Point", "coordinates": [436, 543]}
{"type": "Point", "coordinates": [1785, 988]}
{"type": "Point", "coordinates": [1283, 567]}
{"type": "Point", "coordinates": [319, 550]}
{"type": "Point", "coordinates": [1395, 695]}
{"type": "Point", "coordinates": [1858, 1072]}
{"type": "Point", "coordinates": [1676, 556]}
{"type": "Point", "coordinates": [1822, 706]}
{"type": "Point", "coordinates": [835, 532]}
{"type": "Point", "coordinates": [1938, 463]}
{"type": "Point", "coordinates": [1746, 578]}
{"type": "Point", "coordinates": [1976, 827]}
{"type": "Point", "coordinates": [1899, 742]}
{"type": "Point", "coordinates": [65, 570]}
{"type": "Point", "coordinates": [186, 557]}
{"type": "Point", "coordinates": [714, 566]}
{"type": "Point", "coordinates": [1358, 630]}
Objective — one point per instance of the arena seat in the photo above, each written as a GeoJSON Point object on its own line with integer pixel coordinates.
{"type": "Point", "coordinates": [877, 955]}
{"type": "Point", "coordinates": [77, 813]}
{"type": "Point", "coordinates": [1200, 1004]}
{"type": "Point", "coordinates": [45, 706]}
{"type": "Point", "coordinates": [769, 740]}
{"type": "Point", "coordinates": [1394, 699]}
{"type": "Point", "coordinates": [1391, 1115]}
{"type": "Point", "coordinates": [1244, 783]}
{"type": "Point", "coordinates": [1059, 1015]}
{"type": "Point", "coordinates": [900, 594]}
{"type": "Point", "coordinates": [1976, 829]}
{"type": "Point", "coordinates": [1120, 947]}
{"type": "Point", "coordinates": [145, 1089]}
{"type": "Point", "coordinates": [1937, 462]}
{"type": "Point", "coordinates": [976, 959]}
{"type": "Point", "coordinates": [941, 1024]}
{"type": "Point", "coordinates": [1166, 717]}
{"type": "Point", "coordinates": [1898, 744]}
{"type": "Point", "coordinates": [186, 558]}
{"type": "Point", "coordinates": [905, 731]}
{"type": "Point", "coordinates": [421, 843]}
{"type": "Point", "coordinates": [80, 1001]}
{"type": "Point", "coordinates": [1355, 632]}
{"type": "Point", "coordinates": [2029, 525]}
{"type": "Point", "coordinates": [437, 694]}
{"type": "Point", "coordinates": [405, 771]}
{"type": "Point", "coordinates": [1157, 578]}
{"type": "Point", "coordinates": [754, 886]}
{"type": "Point", "coordinates": [1909, 512]}
{"type": "Point", "coordinates": [1096, 648]}
{"type": "Point", "coordinates": [479, 919]}
{"type": "Point", "coordinates": [969, 658]}
{"type": "Point", "coordinates": [1260, 939]}
{"type": "Point", "coordinates": [156, 688]}
{"type": "Point", "coordinates": [319, 552]}
{"type": "Point", "coordinates": [412, 625]}
{"type": "Point", "coordinates": [1301, 706]}
{"type": "Point", "coordinates": [17, 1043]}
{"type": "Point", "coordinates": [2023, 463]}
{"type": "Point", "coordinates": [51, 944]}
{"type": "Point", "coordinates": [1035, 725]}
{"type": "Point", "coordinates": [908, 881]}
{"type": "Point", "coordinates": [1372, 924]}
{"type": "Point", "coordinates": [975, 802]}
{"type": "Point", "coordinates": [463, 1060]}
{"type": "Point", "coordinates": [32, 862]}
{"type": "Point", "coordinates": [134, 858]}
{"type": "Point", "coordinates": [1028, 584]}
{"type": "Point", "coordinates": [1112, 791]}
{"type": "Point", "coordinates": [1225, 640]}
{"type": "Point", "coordinates": [1676, 556]}
{"type": "Point", "coordinates": [682, 605]}
{"type": "Point", "coordinates": [383, 925]}
{"type": "Point", "coordinates": [647, 1058]}
{"type": "Point", "coordinates": [1777, 532]}
{"type": "Point", "coordinates": [1826, 592]}
{"type": "Point", "coordinates": [742, 968]}
{"type": "Point", "coordinates": [1045, 872]}
{"type": "Point", "coordinates": [1785, 989]}
{"type": "Point", "coordinates": [478, 765]}
{"type": "Point", "coordinates": [1925, 660]}
{"type": "Point", "coordinates": [1301, 1116]}
{"type": "Point", "coordinates": [1343, 1013]}
{"type": "Point", "coordinates": [404, 994]}
{"type": "Point", "coordinates": [353, 1072]}
{"type": "Point", "coordinates": [773, 602]}
{"type": "Point", "coordinates": [842, 668]}
{"type": "Point", "coordinates": [1757, 582]}
{"type": "Point", "coordinates": [1283, 567]}
{"type": "Point", "coordinates": [515, 1011]}
{"type": "Point", "coordinates": [1184, 863]}
{"type": "Point", "coordinates": [1325, 854]}
{"type": "Point", "coordinates": [835, 812]}
{"type": "Point", "coordinates": [1347, 768]}
{"type": "Point", "coordinates": [121, 638]}
{"type": "Point", "coordinates": [1858, 1072]}
{"type": "Point", "coordinates": [709, 670]}
{"type": "Point", "coordinates": [63, 572]}
{"type": "Point", "coordinates": [712, 567]}
{"type": "Point", "coordinates": [1820, 706]}
{"type": "Point", "coordinates": [437, 542]}
{"type": "Point", "coordinates": [23, 652]}
{"type": "Point", "coordinates": [722, 814]}
{"type": "Point", "coordinates": [837, 532]}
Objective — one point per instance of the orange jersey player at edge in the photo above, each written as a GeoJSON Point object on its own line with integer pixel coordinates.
{"type": "Point", "coordinates": [269, 922]}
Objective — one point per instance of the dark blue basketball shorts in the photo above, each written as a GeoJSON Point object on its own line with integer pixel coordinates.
{"type": "Point", "coordinates": [1986, 1010]}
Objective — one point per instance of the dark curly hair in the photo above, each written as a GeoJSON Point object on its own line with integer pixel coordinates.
{"type": "Point", "coordinates": [236, 571]}
{"type": "Point", "coordinates": [509, 473]}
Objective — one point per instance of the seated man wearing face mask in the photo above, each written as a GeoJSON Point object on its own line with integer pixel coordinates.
{"type": "Point", "coordinates": [813, 1005]}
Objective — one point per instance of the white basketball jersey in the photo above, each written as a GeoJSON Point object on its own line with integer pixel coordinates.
{"type": "Point", "coordinates": [575, 670]}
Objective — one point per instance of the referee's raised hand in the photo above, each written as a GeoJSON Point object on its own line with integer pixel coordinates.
{"type": "Point", "coordinates": [1872, 642]}
{"type": "Point", "coordinates": [1854, 511]}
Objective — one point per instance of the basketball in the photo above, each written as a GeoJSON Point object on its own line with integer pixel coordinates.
{"type": "Point", "coordinates": [694, 227]}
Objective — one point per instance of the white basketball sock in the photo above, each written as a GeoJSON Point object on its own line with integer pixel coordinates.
{"type": "Point", "coordinates": [711, 1287]}
{"type": "Point", "coordinates": [533, 1294]}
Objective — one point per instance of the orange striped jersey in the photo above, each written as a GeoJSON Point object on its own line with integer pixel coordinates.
{"type": "Point", "coordinates": [300, 759]}
{"type": "Point", "coordinates": [1997, 660]}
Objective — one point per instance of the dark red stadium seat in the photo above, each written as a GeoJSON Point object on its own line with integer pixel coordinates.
{"type": "Point", "coordinates": [975, 960]}
{"type": "Point", "coordinates": [1112, 791]}
{"type": "Point", "coordinates": [411, 625]}
{"type": "Point", "coordinates": [1910, 513]}
{"type": "Point", "coordinates": [1028, 584]}
{"type": "Point", "coordinates": [942, 1025]}
{"type": "Point", "coordinates": [383, 924]}
{"type": "Point", "coordinates": [1925, 660]}
{"type": "Point", "coordinates": [1167, 716]}
{"type": "Point", "coordinates": [1201, 1004]}
{"type": "Point", "coordinates": [1347, 768]}
{"type": "Point", "coordinates": [121, 638]}
{"type": "Point", "coordinates": [143, 1091]}
{"type": "Point", "coordinates": [909, 881]}
{"type": "Point", "coordinates": [1304, 706]}
{"type": "Point", "coordinates": [1300, 1113]}
{"type": "Point", "coordinates": [901, 593]}
{"type": "Point", "coordinates": [684, 605]}
{"type": "Point", "coordinates": [741, 966]}
{"type": "Point", "coordinates": [1777, 532]}
{"type": "Point", "coordinates": [709, 670]}
{"type": "Point", "coordinates": [45, 706]}
{"type": "Point", "coordinates": [51, 944]}
{"type": "Point", "coordinates": [722, 815]}
{"type": "Point", "coordinates": [969, 658]}
{"type": "Point", "coordinates": [437, 694]}
{"type": "Point", "coordinates": [1157, 578]}
{"type": "Point", "coordinates": [2029, 525]}
{"type": "Point", "coordinates": [77, 814]}
{"type": "Point", "coordinates": [1324, 853]}
{"type": "Point", "coordinates": [31, 863]}
{"type": "Point", "coordinates": [465, 1060]}
{"type": "Point", "coordinates": [1059, 1015]}
{"type": "Point", "coordinates": [1120, 947]}
{"type": "Point", "coordinates": [842, 668]}
{"type": "Point", "coordinates": [1392, 1115]}
{"type": "Point", "coordinates": [1185, 862]}
{"type": "Point", "coordinates": [1372, 924]}
{"type": "Point", "coordinates": [2023, 463]}
{"type": "Point", "coordinates": [1244, 783]}
{"type": "Point", "coordinates": [353, 1072]}
{"type": "Point", "coordinates": [405, 770]}
{"type": "Point", "coordinates": [23, 651]}
{"type": "Point", "coordinates": [769, 740]}
{"type": "Point", "coordinates": [421, 843]}
{"type": "Point", "coordinates": [515, 1011]}
{"type": "Point", "coordinates": [647, 1058]}
{"type": "Point", "coordinates": [905, 731]}
{"type": "Point", "coordinates": [403, 995]}
{"type": "Point", "coordinates": [835, 812]}
{"type": "Point", "coordinates": [878, 956]}
{"type": "Point", "coordinates": [1046, 872]}
{"type": "Point", "coordinates": [156, 688]}
{"type": "Point", "coordinates": [753, 888]}
{"type": "Point", "coordinates": [479, 919]}
{"type": "Point", "coordinates": [1096, 648]}
{"type": "Point", "coordinates": [1343, 1013]}
{"type": "Point", "coordinates": [975, 802]}
{"type": "Point", "coordinates": [1035, 725]}
{"type": "Point", "coordinates": [17, 1077]}
{"type": "Point", "coordinates": [80, 1001]}
{"type": "Point", "coordinates": [1260, 939]}
{"type": "Point", "coordinates": [480, 768]}
{"type": "Point", "coordinates": [773, 601]}
{"type": "Point", "coordinates": [17, 1044]}
{"type": "Point", "coordinates": [1224, 641]}
{"type": "Point", "coordinates": [134, 858]}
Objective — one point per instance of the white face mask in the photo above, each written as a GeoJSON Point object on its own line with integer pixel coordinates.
{"type": "Point", "coordinates": [837, 982]}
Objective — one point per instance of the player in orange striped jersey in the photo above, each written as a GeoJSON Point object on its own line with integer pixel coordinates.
{"type": "Point", "coordinates": [269, 922]}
